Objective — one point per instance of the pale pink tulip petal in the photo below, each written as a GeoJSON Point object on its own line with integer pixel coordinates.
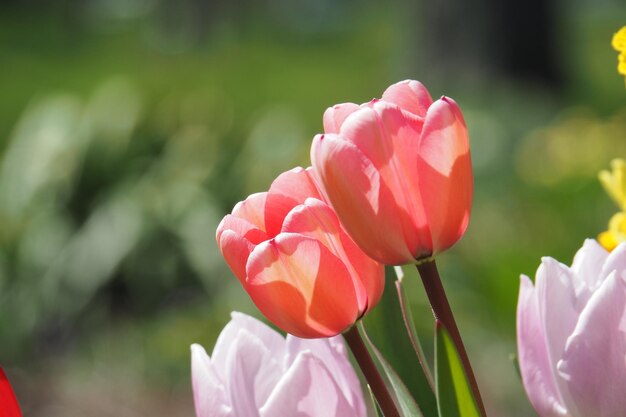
{"type": "Point", "coordinates": [288, 190]}
{"type": "Point", "coordinates": [594, 362]}
{"type": "Point", "coordinates": [252, 209]}
{"type": "Point", "coordinates": [335, 116]}
{"type": "Point", "coordinates": [556, 297]}
{"type": "Point", "coordinates": [535, 365]}
{"type": "Point", "coordinates": [446, 182]}
{"type": "Point", "coordinates": [410, 95]}
{"type": "Point", "coordinates": [318, 221]}
{"type": "Point", "coordinates": [253, 372]}
{"type": "Point", "coordinates": [615, 261]}
{"type": "Point", "coordinates": [307, 390]}
{"type": "Point", "coordinates": [301, 286]}
{"type": "Point", "coordinates": [332, 352]}
{"type": "Point", "coordinates": [587, 268]}
{"type": "Point", "coordinates": [360, 198]}
{"type": "Point", "coordinates": [273, 341]}
{"type": "Point", "coordinates": [209, 395]}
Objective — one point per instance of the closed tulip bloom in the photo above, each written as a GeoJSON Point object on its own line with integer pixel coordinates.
{"type": "Point", "coordinates": [296, 262]}
{"type": "Point", "coordinates": [398, 173]}
{"type": "Point", "coordinates": [571, 335]}
{"type": "Point", "coordinates": [255, 372]}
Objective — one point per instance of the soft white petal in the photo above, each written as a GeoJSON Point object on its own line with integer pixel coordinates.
{"type": "Point", "coordinates": [616, 261]}
{"type": "Point", "coordinates": [594, 363]}
{"type": "Point", "coordinates": [332, 352]}
{"type": "Point", "coordinates": [267, 336]}
{"type": "Point", "coordinates": [308, 390]}
{"type": "Point", "coordinates": [252, 373]}
{"type": "Point", "coordinates": [209, 395]}
{"type": "Point", "coordinates": [587, 268]}
{"type": "Point", "coordinates": [537, 373]}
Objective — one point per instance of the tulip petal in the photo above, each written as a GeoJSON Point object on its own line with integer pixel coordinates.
{"type": "Point", "coordinates": [594, 363]}
{"type": "Point", "coordinates": [332, 352]}
{"type": "Point", "coordinates": [315, 219]}
{"type": "Point", "coordinates": [252, 209]}
{"type": "Point", "coordinates": [236, 250]}
{"type": "Point", "coordinates": [410, 95]}
{"type": "Point", "coordinates": [615, 261]}
{"type": "Point", "coordinates": [335, 116]}
{"type": "Point", "coordinates": [446, 181]}
{"type": "Point", "coordinates": [361, 199]}
{"type": "Point", "coordinates": [587, 267]}
{"type": "Point", "coordinates": [288, 190]}
{"type": "Point", "coordinates": [273, 341]}
{"type": "Point", "coordinates": [535, 366]}
{"type": "Point", "coordinates": [209, 396]}
{"type": "Point", "coordinates": [307, 390]}
{"type": "Point", "coordinates": [301, 286]}
{"type": "Point", "coordinates": [557, 307]}
{"type": "Point", "coordinates": [389, 138]}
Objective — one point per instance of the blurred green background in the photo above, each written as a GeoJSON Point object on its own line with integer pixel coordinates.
{"type": "Point", "coordinates": [128, 128]}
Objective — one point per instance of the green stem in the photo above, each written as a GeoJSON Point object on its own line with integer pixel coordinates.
{"type": "Point", "coordinates": [372, 376]}
{"type": "Point", "coordinates": [442, 312]}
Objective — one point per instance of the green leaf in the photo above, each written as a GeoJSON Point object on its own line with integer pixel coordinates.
{"type": "Point", "coordinates": [406, 404]}
{"type": "Point", "coordinates": [372, 405]}
{"type": "Point", "coordinates": [425, 394]}
{"type": "Point", "coordinates": [454, 395]}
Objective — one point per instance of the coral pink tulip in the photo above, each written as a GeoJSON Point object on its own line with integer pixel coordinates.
{"type": "Point", "coordinates": [255, 372]}
{"type": "Point", "coordinates": [8, 403]}
{"type": "Point", "coordinates": [571, 335]}
{"type": "Point", "coordinates": [296, 262]}
{"type": "Point", "coordinates": [398, 173]}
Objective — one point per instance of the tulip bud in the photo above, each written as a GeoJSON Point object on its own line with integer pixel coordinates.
{"type": "Point", "coordinates": [398, 173]}
{"type": "Point", "coordinates": [570, 334]}
{"type": "Point", "coordinates": [296, 262]}
{"type": "Point", "coordinates": [255, 372]}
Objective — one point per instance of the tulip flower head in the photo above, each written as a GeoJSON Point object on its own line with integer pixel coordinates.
{"type": "Point", "coordinates": [571, 334]}
{"type": "Point", "coordinates": [255, 372]}
{"type": "Point", "coordinates": [8, 403]}
{"type": "Point", "coordinates": [296, 262]}
{"type": "Point", "coordinates": [398, 172]}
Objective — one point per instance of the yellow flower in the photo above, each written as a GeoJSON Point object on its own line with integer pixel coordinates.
{"type": "Point", "coordinates": [616, 233]}
{"type": "Point", "coordinates": [619, 44]}
{"type": "Point", "coordinates": [614, 182]}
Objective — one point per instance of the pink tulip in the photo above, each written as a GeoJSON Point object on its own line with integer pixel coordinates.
{"type": "Point", "coordinates": [255, 372]}
{"type": "Point", "coordinates": [8, 403]}
{"type": "Point", "coordinates": [571, 335]}
{"type": "Point", "coordinates": [398, 173]}
{"type": "Point", "coordinates": [296, 262]}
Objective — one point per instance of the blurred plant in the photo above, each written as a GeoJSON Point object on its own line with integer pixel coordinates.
{"type": "Point", "coordinates": [255, 371]}
{"type": "Point", "coordinates": [570, 334]}
{"type": "Point", "coordinates": [619, 44]}
{"type": "Point", "coordinates": [574, 147]}
{"type": "Point", "coordinates": [85, 187]}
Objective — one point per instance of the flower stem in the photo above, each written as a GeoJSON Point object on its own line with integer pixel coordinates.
{"type": "Point", "coordinates": [375, 381]}
{"type": "Point", "coordinates": [442, 312]}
